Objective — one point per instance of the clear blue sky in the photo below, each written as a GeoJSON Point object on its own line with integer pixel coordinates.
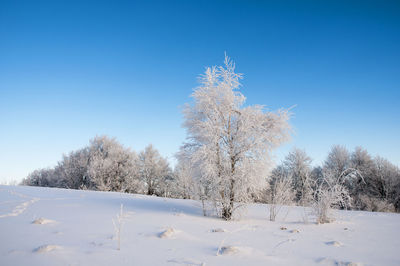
{"type": "Point", "coordinates": [70, 70]}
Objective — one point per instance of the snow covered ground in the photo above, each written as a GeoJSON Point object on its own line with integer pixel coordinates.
{"type": "Point", "coordinates": [44, 226]}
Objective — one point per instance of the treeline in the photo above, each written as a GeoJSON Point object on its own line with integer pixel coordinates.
{"type": "Point", "coordinates": [106, 165]}
{"type": "Point", "coordinates": [371, 184]}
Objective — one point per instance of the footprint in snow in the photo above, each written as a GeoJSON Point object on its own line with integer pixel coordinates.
{"type": "Point", "coordinates": [43, 221]}
{"type": "Point", "coordinates": [168, 233]}
{"type": "Point", "coordinates": [218, 230]}
{"type": "Point", "coordinates": [334, 243]}
{"type": "Point", "coordinates": [228, 250]}
{"type": "Point", "coordinates": [232, 250]}
{"type": "Point", "coordinates": [46, 248]}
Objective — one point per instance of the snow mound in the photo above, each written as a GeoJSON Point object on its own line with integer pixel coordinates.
{"type": "Point", "coordinates": [169, 232]}
{"type": "Point", "coordinates": [43, 221]}
{"type": "Point", "coordinates": [46, 248]}
{"type": "Point", "coordinates": [334, 243]}
{"type": "Point", "coordinates": [218, 230]}
{"type": "Point", "coordinates": [228, 250]}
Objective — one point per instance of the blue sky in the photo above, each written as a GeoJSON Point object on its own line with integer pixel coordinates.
{"type": "Point", "coordinates": [71, 70]}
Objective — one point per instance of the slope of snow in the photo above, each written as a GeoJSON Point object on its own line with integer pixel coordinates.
{"type": "Point", "coordinates": [44, 226]}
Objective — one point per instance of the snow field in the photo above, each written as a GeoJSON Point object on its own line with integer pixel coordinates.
{"type": "Point", "coordinates": [74, 227]}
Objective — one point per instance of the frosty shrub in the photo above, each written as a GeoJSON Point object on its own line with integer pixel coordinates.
{"type": "Point", "coordinates": [331, 192]}
{"type": "Point", "coordinates": [376, 204]}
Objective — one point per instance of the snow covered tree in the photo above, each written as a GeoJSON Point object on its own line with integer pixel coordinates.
{"type": "Point", "coordinates": [72, 170]}
{"type": "Point", "coordinates": [229, 144]}
{"type": "Point", "coordinates": [279, 192]}
{"type": "Point", "coordinates": [338, 166]}
{"type": "Point", "coordinates": [41, 178]}
{"type": "Point", "coordinates": [380, 193]}
{"type": "Point", "coordinates": [112, 167]}
{"type": "Point", "coordinates": [337, 162]}
{"type": "Point", "coordinates": [154, 171]}
{"type": "Point", "coordinates": [363, 163]}
{"type": "Point", "coordinates": [184, 183]}
{"type": "Point", "coordinates": [298, 167]}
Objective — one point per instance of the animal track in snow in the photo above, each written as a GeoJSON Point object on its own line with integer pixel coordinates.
{"type": "Point", "coordinates": [20, 208]}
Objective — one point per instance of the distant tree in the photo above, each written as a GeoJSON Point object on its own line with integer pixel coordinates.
{"type": "Point", "coordinates": [72, 170]}
{"type": "Point", "coordinates": [362, 162]}
{"type": "Point", "coordinates": [185, 186]}
{"type": "Point", "coordinates": [229, 144]}
{"type": "Point", "coordinates": [317, 176]}
{"type": "Point", "coordinates": [154, 171]}
{"type": "Point", "coordinates": [298, 167]}
{"type": "Point", "coordinates": [112, 167]}
{"type": "Point", "coordinates": [382, 183]}
{"type": "Point", "coordinates": [337, 162]}
{"type": "Point", "coordinates": [279, 192]}
{"type": "Point", "coordinates": [381, 193]}
{"type": "Point", "coordinates": [40, 178]}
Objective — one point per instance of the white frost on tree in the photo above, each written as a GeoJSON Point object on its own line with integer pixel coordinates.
{"type": "Point", "coordinates": [298, 166]}
{"type": "Point", "coordinates": [280, 191]}
{"type": "Point", "coordinates": [112, 166]}
{"type": "Point", "coordinates": [337, 162]}
{"type": "Point", "coordinates": [184, 184]}
{"type": "Point", "coordinates": [154, 171]}
{"type": "Point", "coordinates": [229, 144]}
{"type": "Point", "coordinates": [73, 170]}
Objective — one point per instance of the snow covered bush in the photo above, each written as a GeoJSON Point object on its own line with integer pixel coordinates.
{"type": "Point", "coordinates": [331, 193]}
{"type": "Point", "coordinates": [327, 197]}
{"type": "Point", "coordinates": [375, 204]}
{"type": "Point", "coordinates": [229, 144]}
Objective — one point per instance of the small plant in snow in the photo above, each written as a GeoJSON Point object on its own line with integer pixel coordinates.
{"type": "Point", "coordinates": [118, 226]}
